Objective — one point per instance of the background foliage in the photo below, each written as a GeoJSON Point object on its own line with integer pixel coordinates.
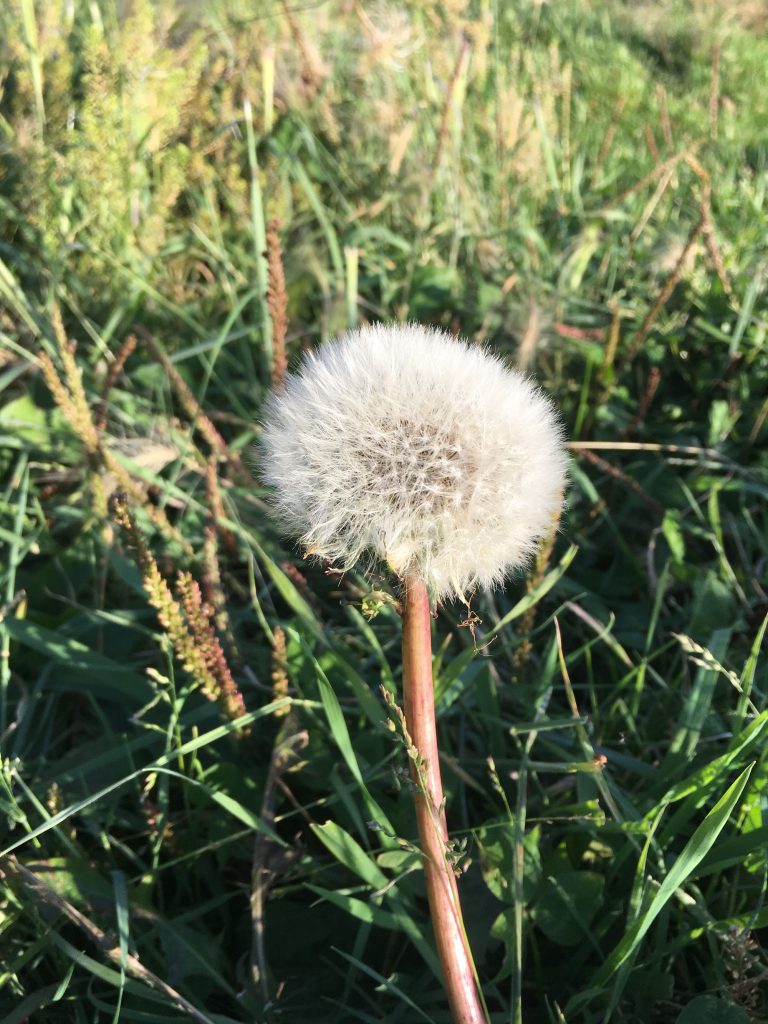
{"type": "Point", "coordinates": [204, 814]}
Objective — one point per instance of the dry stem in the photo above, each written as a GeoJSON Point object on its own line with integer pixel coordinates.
{"type": "Point", "coordinates": [10, 867]}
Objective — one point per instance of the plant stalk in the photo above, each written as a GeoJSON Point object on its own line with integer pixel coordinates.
{"type": "Point", "coordinates": [419, 697]}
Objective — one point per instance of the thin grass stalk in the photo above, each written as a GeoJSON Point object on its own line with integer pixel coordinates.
{"type": "Point", "coordinates": [351, 264]}
{"type": "Point", "coordinates": [518, 875]}
{"type": "Point", "coordinates": [259, 230]}
{"type": "Point", "coordinates": [268, 88]}
{"type": "Point", "coordinates": [664, 118]}
{"type": "Point", "coordinates": [458, 969]}
{"type": "Point", "coordinates": [714, 91]}
{"type": "Point", "coordinates": [442, 132]}
{"type": "Point", "coordinates": [32, 42]}
{"type": "Point", "coordinates": [710, 240]}
{"type": "Point", "coordinates": [12, 598]}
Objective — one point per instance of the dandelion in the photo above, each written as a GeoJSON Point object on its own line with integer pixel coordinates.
{"type": "Point", "coordinates": [425, 451]}
{"type": "Point", "coordinates": [405, 444]}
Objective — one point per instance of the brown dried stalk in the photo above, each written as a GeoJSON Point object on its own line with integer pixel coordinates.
{"type": "Point", "coordinates": [610, 135]}
{"type": "Point", "coordinates": [622, 477]}
{"type": "Point", "coordinates": [160, 596]}
{"type": "Point", "coordinates": [651, 387]}
{"type": "Point", "coordinates": [189, 403]}
{"type": "Point", "coordinates": [650, 141]}
{"type": "Point", "coordinates": [759, 421]}
{"type": "Point", "coordinates": [530, 339]}
{"type": "Point", "coordinates": [72, 374]}
{"type": "Point", "coordinates": [156, 515]}
{"type": "Point", "coordinates": [606, 370]}
{"type": "Point", "coordinates": [277, 303]}
{"type": "Point", "coordinates": [442, 132]}
{"type": "Point", "coordinates": [313, 70]}
{"type": "Point", "coordinates": [279, 670]}
{"type": "Point", "coordinates": [216, 511]}
{"type": "Point", "coordinates": [265, 869]}
{"type": "Point", "coordinates": [300, 581]}
{"type": "Point", "coordinates": [35, 886]}
{"type": "Point", "coordinates": [115, 369]}
{"type": "Point", "coordinates": [268, 860]}
{"type": "Point", "coordinates": [651, 176]}
{"type": "Point", "coordinates": [652, 203]}
{"type": "Point", "coordinates": [705, 205]}
{"type": "Point", "coordinates": [663, 297]}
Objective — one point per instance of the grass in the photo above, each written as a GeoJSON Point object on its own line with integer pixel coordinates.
{"type": "Point", "coordinates": [205, 815]}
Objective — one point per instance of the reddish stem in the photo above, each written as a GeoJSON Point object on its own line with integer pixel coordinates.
{"type": "Point", "coordinates": [442, 890]}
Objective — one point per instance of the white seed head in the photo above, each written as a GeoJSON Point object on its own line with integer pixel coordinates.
{"type": "Point", "coordinates": [430, 453]}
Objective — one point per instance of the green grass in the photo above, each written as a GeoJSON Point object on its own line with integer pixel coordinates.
{"type": "Point", "coordinates": [167, 861]}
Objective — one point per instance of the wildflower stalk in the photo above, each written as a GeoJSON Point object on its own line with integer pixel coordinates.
{"type": "Point", "coordinates": [431, 454]}
{"type": "Point", "coordinates": [442, 890]}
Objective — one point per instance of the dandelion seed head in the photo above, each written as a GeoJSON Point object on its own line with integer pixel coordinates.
{"type": "Point", "coordinates": [408, 444]}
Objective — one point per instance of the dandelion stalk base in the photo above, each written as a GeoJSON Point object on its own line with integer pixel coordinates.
{"type": "Point", "coordinates": [442, 890]}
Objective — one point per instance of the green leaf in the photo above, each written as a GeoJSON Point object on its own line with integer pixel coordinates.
{"type": "Point", "coordinates": [287, 590]}
{"type": "Point", "coordinates": [363, 910]}
{"type": "Point", "coordinates": [159, 765]}
{"type": "Point", "coordinates": [702, 780]}
{"type": "Point", "coordinates": [340, 733]}
{"type": "Point", "coordinates": [713, 606]}
{"type": "Point", "coordinates": [123, 931]}
{"type": "Point", "coordinates": [496, 842]}
{"type": "Point", "coordinates": [22, 1012]}
{"type": "Point", "coordinates": [113, 681]}
{"type": "Point", "coordinates": [749, 851]}
{"type": "Point", "coordinates": [568, 905]}
{"type": "Point", "coordinates": [350, 853]}
{"type": "Point", "coordinates": [370, 913]}
{"type": "Point", "coordinates": [699, 700]}
{"type": "Point", "coordinates": [693, 853]}
{"type": "Point", "coordinates": [28, 421]}
{"type": "Point", "coordinates": [670, 527]}
{"type": "Point", "coordinates": [711, 1010]}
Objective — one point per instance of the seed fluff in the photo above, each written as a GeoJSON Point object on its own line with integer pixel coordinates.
{"type": "Point", "coordinates": [427, 452]}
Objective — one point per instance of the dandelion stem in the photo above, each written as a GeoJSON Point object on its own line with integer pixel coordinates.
{"type": "Point", "coordinates": [460, 980]}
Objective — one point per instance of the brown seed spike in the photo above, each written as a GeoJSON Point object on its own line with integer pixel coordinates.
{"type": "Point", "coordinates": [277, 301]}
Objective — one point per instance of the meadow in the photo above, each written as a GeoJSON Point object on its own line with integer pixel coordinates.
{"type": "Point", "coordinates": [204, 814]}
